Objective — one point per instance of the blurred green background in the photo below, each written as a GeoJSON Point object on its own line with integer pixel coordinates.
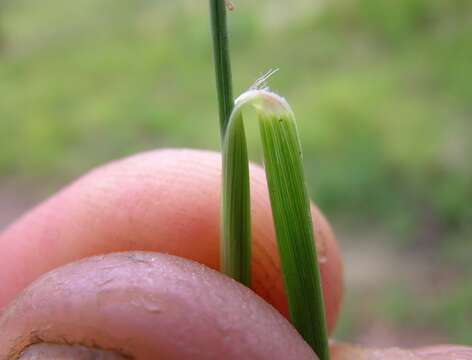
{"type": "Point", "coordinates": [382, 90]}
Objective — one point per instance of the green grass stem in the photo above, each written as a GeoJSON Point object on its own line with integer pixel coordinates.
{"type": "Point", "coordinates": [221, 61]}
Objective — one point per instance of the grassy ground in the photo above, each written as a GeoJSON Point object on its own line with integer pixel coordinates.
{"type": "Point", "coordinates": [381, 89]}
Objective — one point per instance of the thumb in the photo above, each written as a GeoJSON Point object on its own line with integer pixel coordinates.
{"type": "Point", "coordinates": [144, 305]}
{"type": "Point", "coordinates": [443, 352]}
{"type": "Point", "coordinates": [165, 201]}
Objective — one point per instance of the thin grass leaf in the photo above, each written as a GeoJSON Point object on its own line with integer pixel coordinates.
{"type": "Point", "coordinates": [290, 210]}
{"type": "Point", "coordinates": [235, 249]}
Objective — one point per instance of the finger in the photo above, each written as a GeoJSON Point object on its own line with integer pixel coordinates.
{"type": "Point", "coordinates": [166, 201]}
{"type": "Point", "coordinates": [145, 306]}
{"type": "Point", "coordinates": [446, 352]}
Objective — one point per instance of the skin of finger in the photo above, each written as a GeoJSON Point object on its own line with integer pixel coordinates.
{"type": "Point", "coordinates": [444, 352]}
{"type": "Point", "coordinates": [146, 305]}
{"type": "Point", "coordinates": [166, 201]}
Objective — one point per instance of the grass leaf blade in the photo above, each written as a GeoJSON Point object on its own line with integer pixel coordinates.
{"type": "Point", "coordinates": [293, 226]}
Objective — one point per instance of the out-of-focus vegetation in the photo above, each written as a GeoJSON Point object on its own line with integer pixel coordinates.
{"type": "Point", "coordinates": [382, 91]}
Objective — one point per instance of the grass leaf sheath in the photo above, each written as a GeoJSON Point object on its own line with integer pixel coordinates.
{"type": "Point", "coordinates": [290, 210]}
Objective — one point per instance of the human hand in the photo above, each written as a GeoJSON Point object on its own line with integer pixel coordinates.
{"type": "Point", "coordinates": [164, 201]}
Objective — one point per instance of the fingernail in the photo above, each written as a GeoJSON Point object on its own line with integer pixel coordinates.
{"type": "Point", "coordinates": [446, 352]}
{"type": "Point", "coordinates": [67, 352]}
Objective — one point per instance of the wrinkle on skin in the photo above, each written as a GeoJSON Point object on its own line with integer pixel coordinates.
{"type": "Point", "coordinates": [165, 201]}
